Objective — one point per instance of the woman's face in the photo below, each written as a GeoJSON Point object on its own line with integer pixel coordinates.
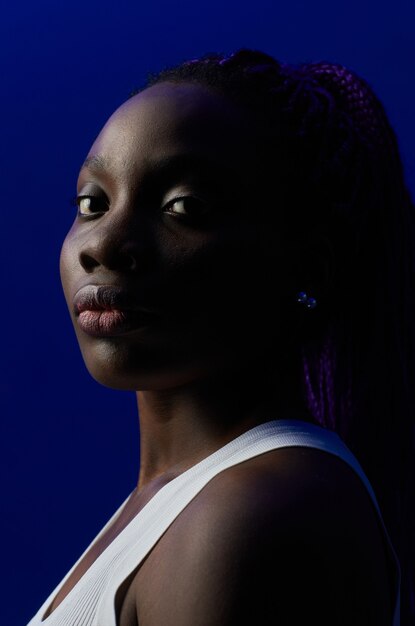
{"type": "Point", "coordinates": [208, 266]}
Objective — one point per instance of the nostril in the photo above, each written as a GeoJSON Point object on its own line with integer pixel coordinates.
{"type": "Point", "coordinates": [130, 262]}
{"type": "Point", "coordinates": [88, 262]}
{"type": "Point", "coordinates": [126, 262]}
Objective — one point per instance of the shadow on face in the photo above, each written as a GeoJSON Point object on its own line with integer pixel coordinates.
{"type": "Point", "coordinates": [174, 212]}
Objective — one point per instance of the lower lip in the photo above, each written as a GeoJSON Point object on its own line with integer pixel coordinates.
{"type": "Point", "coordinates": [112, 323]}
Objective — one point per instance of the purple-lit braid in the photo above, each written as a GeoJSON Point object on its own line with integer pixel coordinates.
{"type": "Point", "coordinates": [313, 404]}
{"type": "Point", "coordinates": [354, 96]}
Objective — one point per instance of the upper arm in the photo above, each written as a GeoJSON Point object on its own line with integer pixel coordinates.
{"type": "Point", "coordinates": [254, 549]}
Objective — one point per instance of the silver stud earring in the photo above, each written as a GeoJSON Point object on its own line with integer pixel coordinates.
{"type": "Point", "coordinates": [304, 299]}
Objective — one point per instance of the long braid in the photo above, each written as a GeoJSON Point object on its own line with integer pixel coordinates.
{"type": "Point", "coordinates": [369, 118]}
{"type": "Point", "coordinates": [359, 369]}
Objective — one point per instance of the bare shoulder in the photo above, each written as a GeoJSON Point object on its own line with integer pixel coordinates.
{"type": "Point", "coordinates": [304, 488]}
{"type": "Point", "coordinates": [287, 536]}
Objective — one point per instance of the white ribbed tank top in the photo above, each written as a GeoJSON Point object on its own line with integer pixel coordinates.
{"type": "Point", "coordinates": [91, 601]}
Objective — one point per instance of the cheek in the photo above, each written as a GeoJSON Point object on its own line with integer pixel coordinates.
{"type": "Point", "coordinates": [244, 272]}
{"type": "Point", "coordinates": [68, 264]}
{"type": "Point", "coordinates": [232, 286]}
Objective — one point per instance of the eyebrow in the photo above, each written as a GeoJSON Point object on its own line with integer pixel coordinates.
{"type": "Point", "coordinates": [94, 163]}
{"type": "Point", "coordinates": [173, 165]}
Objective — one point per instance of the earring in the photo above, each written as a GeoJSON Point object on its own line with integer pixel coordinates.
{"type": "Point", "coordinates": [304, 299]}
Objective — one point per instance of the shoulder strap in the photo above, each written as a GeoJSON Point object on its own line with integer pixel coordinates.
{"type": "Point", "coordinates": [154, 519]}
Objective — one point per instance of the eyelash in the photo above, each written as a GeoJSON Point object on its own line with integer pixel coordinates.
{"type": "Point", "coordinates": [76, 202]}
{"type": "Point", "coordinates": [180, 215]}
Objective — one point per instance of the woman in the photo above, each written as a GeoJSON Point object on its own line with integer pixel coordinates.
{"type": "Point", "coordinates": [241, 259]}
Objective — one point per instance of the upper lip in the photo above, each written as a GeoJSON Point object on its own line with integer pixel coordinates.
{"type": "Point", "coordinates": [106, 298]}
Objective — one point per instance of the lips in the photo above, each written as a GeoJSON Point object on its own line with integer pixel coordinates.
{"type": "Point", "coordinates": [103, 310]}
{"type": "Point", "coordinates": [106, 298]}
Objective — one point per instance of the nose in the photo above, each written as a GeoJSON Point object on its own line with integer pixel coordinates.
{"type": "Point", "coordinates": [117, 242]}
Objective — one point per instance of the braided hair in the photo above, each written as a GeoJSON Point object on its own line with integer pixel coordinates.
{"type": "Point", "coordinates": [327, 130]}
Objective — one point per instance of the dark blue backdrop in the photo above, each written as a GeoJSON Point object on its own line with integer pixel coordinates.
{"type": "Point", "coordinates": [69, 447]}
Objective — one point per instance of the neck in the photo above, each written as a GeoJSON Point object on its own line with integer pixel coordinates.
{"type": "Point", "coordinates": [179, 427]}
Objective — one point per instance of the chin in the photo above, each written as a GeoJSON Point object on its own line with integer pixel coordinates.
{"type": "Point", "coordinates": [136, 369]}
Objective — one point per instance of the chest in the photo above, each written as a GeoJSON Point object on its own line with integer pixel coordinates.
{"type": "Point", "coordinates": [81, 569]}
{"type": "Point", "coordinates": [131, 509]}
{"type": "Point", "coordinates": [144, 579]}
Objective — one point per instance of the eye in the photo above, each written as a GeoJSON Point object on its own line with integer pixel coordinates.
{"type": "Point", "coordinates": [187, 207]}
{"type": "Point", "coordinates": [88, 205]}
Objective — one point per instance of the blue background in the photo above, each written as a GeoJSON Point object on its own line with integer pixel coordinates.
{"type": "Point", "coordinates": [69, 446]}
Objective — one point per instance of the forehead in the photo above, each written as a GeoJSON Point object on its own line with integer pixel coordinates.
{"type": "Point", "coordinates": [184, 118]}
